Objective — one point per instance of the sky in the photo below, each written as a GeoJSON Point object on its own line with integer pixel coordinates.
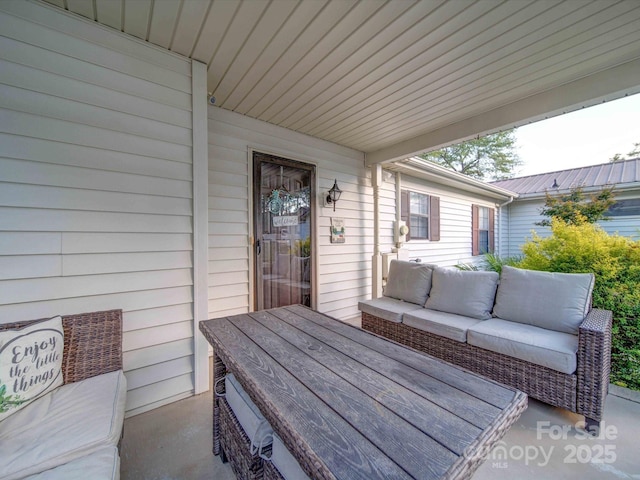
{"type": "Point", "coordinates": [586, 137]}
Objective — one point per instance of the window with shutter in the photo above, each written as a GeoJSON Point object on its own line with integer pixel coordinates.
{"type": "Point", "coordinates": [482, 230]}
{"type": "Point", "coordinates": [421, 213]}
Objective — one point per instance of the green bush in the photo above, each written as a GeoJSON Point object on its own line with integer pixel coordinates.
{"type": "Point", "coordinates": [490, 263]}
{"type": "Point", "coordinates": [615, 261]}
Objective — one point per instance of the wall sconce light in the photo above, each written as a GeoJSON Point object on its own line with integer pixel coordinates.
{"type": "Point", "coordinates": [334, 194]}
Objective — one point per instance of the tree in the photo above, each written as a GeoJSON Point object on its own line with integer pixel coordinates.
{"type": "Point", "coordinates": [492, 157]}
{"type": "Point", "coordinates": [574, 208]}
{"type": "Point", "coordinates": [635, 153]}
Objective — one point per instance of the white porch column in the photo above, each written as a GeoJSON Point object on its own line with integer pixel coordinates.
{"type": "Point", "coordinates": [200, 225]}
{"type": "Point", "coordinates": [376, 260]}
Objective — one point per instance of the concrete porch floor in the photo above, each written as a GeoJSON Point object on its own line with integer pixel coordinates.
{"type": "Point", "coordinates": [175, 441]}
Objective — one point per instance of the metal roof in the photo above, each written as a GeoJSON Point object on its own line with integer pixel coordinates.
{"type": "Point", "coordinates": [399, 77]}
{"type": "Point", "coordinates": [622, 173]}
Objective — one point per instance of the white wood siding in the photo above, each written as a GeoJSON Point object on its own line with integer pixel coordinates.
{"type": "Point", "coordinates": [520, 225]}
{"type": "Point", "coordinates": [454, 246]}
{"type": "Point", "coordinates": [344, 270]}
{"type": "Point", "coordinates": [523, 214]}
{"type": "Point", "coordinates": [96, 188]}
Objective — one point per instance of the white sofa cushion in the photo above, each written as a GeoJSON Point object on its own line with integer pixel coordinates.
{"type": "Point", "coordinates": [72, 421]}
{"type": "Point", "coordinates": [409, 281]}
{"type": "Point", "coordinates": [557, 301]}
{"type": "Point", "coordinates": [30, 363]}
{"type": "Point", "coordinates": [555, 350]}
{"type": "Point", "coordinates": [103, 464]}
{"type": "Point", "coordinates": [447, 325]}
{"type": "Point", "coordinates": [468, 293]}
{"type": "Point", "coordinates": [285, 462]}
{"type": "Point", "coordinates": [253, 422]}
{"type": "Point", "coordinates": [388, 308]}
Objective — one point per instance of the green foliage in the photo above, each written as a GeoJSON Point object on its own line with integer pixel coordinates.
{"type": "Point", "coordinates": [7, 401]}
{"type": "Point", "coordinates": [491, 262]}
{"type": "Point", "coordinates": [615, 261]}
{"type": "Point", "coordinates": [492, 157]}
{"type": "Point", "coordinates": [576, 207]}
{"type": "Point", "coordinates": [634, 153]}
{"type": "Point", "coordinates": [302, 248]}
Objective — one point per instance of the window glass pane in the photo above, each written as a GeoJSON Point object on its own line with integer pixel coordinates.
{"type": "Point", "coordinates": [624, 208]}
{"type": "Point", "coordinates": [419, 227]}
{"type": "Point", "coordinates": [483, 241]}
{"type": "Point", "coordinates": [419, 204]}
{"type": "Point", "coordinates": [483, 218]}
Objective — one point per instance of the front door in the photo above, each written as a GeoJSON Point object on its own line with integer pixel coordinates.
{"type": "Point", "coordinates": [283, 212]}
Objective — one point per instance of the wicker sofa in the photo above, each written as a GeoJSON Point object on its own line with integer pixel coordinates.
{"type": "Point", "coordinates": [535, 331]}
{"type": "Point", "coordinates": [71, 431]}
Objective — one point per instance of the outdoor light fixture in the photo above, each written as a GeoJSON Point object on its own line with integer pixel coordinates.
{"type": "Point", "coordinates": [334, 194]}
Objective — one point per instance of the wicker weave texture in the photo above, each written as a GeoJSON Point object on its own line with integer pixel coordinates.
{"type": "Point", "coordinates": [594, 363]}
{"type": "Point", "coordinates": [583, 392]}
{"type": "Point", "coordinates": [271, 472]}
{"type": "Point", "coordinates": [92, 343]}
{"type": "Point", "coordinates": [219, 372]}
{"type": "Point", "coordinates": [237, 446]}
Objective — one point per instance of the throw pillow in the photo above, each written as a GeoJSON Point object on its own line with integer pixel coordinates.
{"type": "Point", "coordinates": [408, 281]}
{"type": "Point", "coordinates": [467, 293]}
{"type": "Point", "coordinates": [551, 300]}
{"type": "Point", "coordinates": [30, 363]}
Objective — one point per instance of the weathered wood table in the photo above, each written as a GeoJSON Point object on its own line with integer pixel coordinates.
{"type": "Point", "coordinates": [351, 405]}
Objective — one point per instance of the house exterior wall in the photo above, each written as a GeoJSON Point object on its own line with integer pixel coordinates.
{"type": "Point", "coordinates": [521, 216]}
{"type": "Point", "coordinates": [454, 246]}
{"type": "Point", "coordinates": [344, 270]}
{"type": "Point", "coordinates": [96, 191]}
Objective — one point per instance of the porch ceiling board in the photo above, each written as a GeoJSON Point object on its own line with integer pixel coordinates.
{"type": "Point", "coordinates": [384, 77]}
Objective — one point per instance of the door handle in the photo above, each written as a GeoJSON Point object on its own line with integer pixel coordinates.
{"type": "Point", "coordinates": [258, 247]}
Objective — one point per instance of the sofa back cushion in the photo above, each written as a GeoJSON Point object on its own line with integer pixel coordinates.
{"type": "Point", "coordinates": [409, 281]}
{"type": "Point", "coordinates": [468, 293]}
{"type": "Point", "coordinates": [551, 300]}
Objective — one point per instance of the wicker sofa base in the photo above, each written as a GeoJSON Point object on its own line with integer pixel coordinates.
{"type": "Point", "coordinates": [236, 446]}
{"type": "Point", "coordinates": [542, 383]}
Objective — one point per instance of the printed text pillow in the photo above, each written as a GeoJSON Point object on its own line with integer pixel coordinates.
{"type": "Point", "coordinates": [30, 363]}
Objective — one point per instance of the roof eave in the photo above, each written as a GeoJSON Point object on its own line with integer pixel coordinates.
{"type": "Point", "coordinates": [420, 168]}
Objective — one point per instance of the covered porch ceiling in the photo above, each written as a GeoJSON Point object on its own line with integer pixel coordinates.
{"type": "Point", "coordinates": [399, 77]}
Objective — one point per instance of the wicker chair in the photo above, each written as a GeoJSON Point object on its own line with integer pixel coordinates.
{"type": "Point", "coordinates": [92, 343]}
{"type": "Point", "coordinates": [92, 347]}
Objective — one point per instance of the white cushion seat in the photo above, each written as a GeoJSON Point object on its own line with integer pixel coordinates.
{"type": "Point", "coordinates": [249, 416]}
{"type": "Point", "coordinates": [284, 461]}
{"type": "Point", "coordinates": [103, 464]}
{"type": "Point", "coordinates": [388, 308]}
{"type": "Point", "coordinates": [448, 325]}
{"type": "Point", "coordinates": [70, 422]}
{"type": "Point", "coordinates": [549, 348]}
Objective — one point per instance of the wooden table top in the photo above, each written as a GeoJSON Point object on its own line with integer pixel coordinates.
{"type": "Point", "coordinates": [357, 406]}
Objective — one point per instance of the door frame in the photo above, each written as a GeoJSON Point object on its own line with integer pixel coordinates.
{"type": "Point", "coordinates": [315, 205]}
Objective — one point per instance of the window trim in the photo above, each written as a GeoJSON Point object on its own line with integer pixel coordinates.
{"type": "Point", "coordinates": [475, 229]}
{"type": "Point", "coordinates": [433, 216]}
